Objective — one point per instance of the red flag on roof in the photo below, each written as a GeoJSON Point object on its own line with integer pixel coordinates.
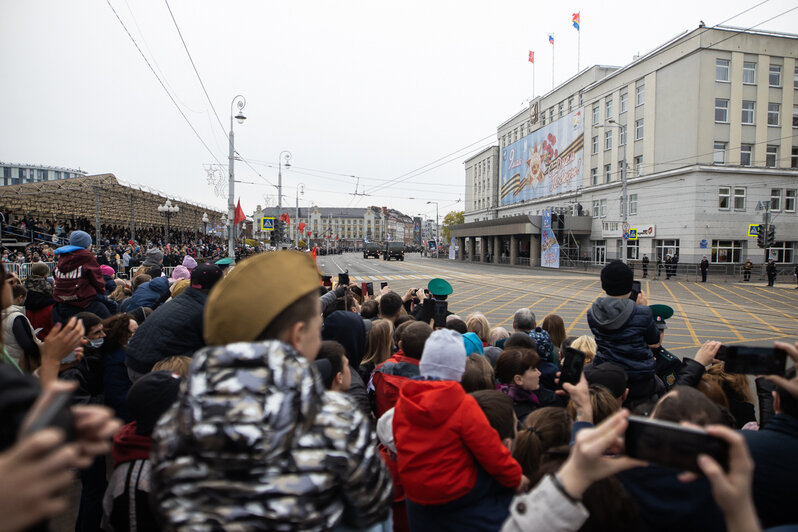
{"type": "Point", "coordinates": [239, 214]}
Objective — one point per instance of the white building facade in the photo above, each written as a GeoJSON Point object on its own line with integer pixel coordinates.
{"type": "Point", "coordinates": [20, 174]}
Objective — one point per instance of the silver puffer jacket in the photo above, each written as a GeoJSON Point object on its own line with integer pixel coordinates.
{"type": "Point", "coordinates": [255, 443]}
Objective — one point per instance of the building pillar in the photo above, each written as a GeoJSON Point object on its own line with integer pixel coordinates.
{"type": "Point", "coordinates": [472, 240]}
{"type": "Point", "coordinates": [534, 251]}
{"type": "Point", "coordinates": [483, 247]}
{"type": "Point", "coordinates": [497, 249]}
{"type": "Point", "coordinates": [513, 249]}
{"type": "Point", "coordinates": [460, 247]}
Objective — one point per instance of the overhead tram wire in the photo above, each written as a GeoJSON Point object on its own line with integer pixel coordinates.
{"type": "Point", "coordinates": [162, 83]}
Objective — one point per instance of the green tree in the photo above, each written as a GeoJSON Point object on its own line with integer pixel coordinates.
{"type": "Point", "coordinates": [451, 218]}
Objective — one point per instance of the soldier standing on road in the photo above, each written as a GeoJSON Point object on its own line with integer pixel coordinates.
{"type": "Point", "coordinates": [645, 265]}
{"type": "Point", "coordinates": [747, 267]}
{"type": "Point", "coordinates": [668, 266]}
{"type": "Point", "coordinates": [704, 267]}
{"type": "Point", "coordinates": [675, 262]}
{"type": "Point", "coordinates": [659, 266]}
{"type": "Point", "coordinates": [771, 271]}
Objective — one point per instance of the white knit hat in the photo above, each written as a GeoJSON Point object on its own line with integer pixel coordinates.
{"type": "Point", "coordinates": [444, 356]}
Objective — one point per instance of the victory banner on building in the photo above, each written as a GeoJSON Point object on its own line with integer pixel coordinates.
{"type": "Point", "coordinates": [549, 248]}
{"type": "Point", "coordinates": [545, 162]}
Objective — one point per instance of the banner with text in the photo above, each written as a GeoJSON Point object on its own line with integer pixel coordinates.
{"type": "Point", "coordinates": [549, 248]}
{"type": "Point", "coordinates": [545, 162]}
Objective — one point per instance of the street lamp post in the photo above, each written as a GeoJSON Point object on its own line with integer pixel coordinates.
{"type": "Point", "coordinates": [287, 155]}
{"type": "Point", "coordinates": [205, 221]}
{"type": "Point", "coordinates": [300, 189]}
{"type": "Point", "coordinates": [240, 102]}
{"type": "Point", "coordinates": [624, 206]}
{"type": "Point", "coordinates": [168, 210]}
{"type": "Point", "coordinates": [437, 230]}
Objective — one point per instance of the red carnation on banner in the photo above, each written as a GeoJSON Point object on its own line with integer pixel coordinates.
{"type": "Point", "coordinates": [239, 214]}
{"type": "Point", "coordinates": [302, 228]}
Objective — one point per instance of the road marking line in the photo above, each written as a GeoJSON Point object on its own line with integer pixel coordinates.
{"type": "Point", "coordinates": [721, 318]}
{"type": "Point", "coordinates": [764, 305]}
{"type": "Point", "coordinates": [760, 320]}
{"type": "Point", "coordinates": [683, 315]}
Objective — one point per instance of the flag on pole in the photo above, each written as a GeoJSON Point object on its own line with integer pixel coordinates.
{"type": "Point", "coordinates": [575, 20]}
{"type": "Point", "coordinates": [531, 56]}
{"type": "Point", "coordinates": [239, 214]}
{"type": "Point", "coordinates": [551, 39]}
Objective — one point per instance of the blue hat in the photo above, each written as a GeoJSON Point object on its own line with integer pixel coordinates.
{"type": "Point", "coordinates": [472, 343]}
{"type": "Point", "coordinates": [81, 239]}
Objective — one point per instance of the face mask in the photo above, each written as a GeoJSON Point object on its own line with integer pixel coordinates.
{"type": "Point", "coordinates": [96, 343]}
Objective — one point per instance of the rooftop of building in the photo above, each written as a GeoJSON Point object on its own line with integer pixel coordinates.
{"type": "Point", "coordinates": [44, 167]}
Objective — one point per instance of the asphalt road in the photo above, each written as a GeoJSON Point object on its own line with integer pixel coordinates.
{"type": "Point", "coordinates": [733, 313]}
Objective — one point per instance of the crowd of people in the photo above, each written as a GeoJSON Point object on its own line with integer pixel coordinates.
{"type": "Point", "coordinates": [244, 395]}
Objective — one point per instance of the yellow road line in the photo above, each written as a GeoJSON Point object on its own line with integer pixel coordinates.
{"type": "Point", "coordinates": [545, 297]}
{"type": "Point", "coordinates": [744, 289]}
{"type": "Point", "coordinates": [683, 315]}
{"type": "Point", "coordinates": [757, 318]}
{"type": "Point", "coordinates": [768, 307]}
{"type": "Point", "coordinates": [721, 318]}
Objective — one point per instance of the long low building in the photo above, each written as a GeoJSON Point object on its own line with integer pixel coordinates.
{"type": "Point", "coordinates": [703, 128]}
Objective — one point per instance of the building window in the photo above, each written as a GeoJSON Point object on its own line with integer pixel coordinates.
{"type": "Point", "coordinates": [580, 99]}
{"type": "Point", "coordinates": [608, 108]}
{"type": "Point", "coordinates": [721, 110]}
{"type": "Point", "coordinates": [551, 115]}
{"type": "Point", "coordinates": [603, 208]}
{"type": "Point", "coordinates": [772, 156]}
{"type": "Point", "coordinates": [595, 145]}
{"type": "Point", "coordinates": [639, 129]}
{"type": "Point", "coordinates": [640, 93]}
{"type": "Point", "coordinates": [638, 160]}
{"type": "Point", "coordinates": [782, 252]}
{"type": "Point", "coordinates": [621, 135]}
{"type": "Point", "coordinates": [773, 114]}
{"type": "Point", "coordinates": [720, 153]}
{"type": "Point", "coordinates": [724, 198]}
{"type": "Point", "coordinates": [596, 207]}
{"type": "Point", "coordinates": [795, 79]}
{"type": "Point", "coordinates": [721, 70]}
{"type": "Point", "coordinates": [665, 247]}
{"type": "Point", "coordinates": [561, 107]}
{"type": "Point", "coordinates": [739, 198]}
{"type": "Point", "coordinates": [543, 118]}
{"type": "Point", "coordinates": [795, 116]}
{"type": "Point", "coordinates": [775, 199]}
{"type": "Point", "coordinates": [632, 204]}
{"type": "Point", "coordinates": [607, 173]}
{"type": "Point", "coordinates": [726, 250]}
{"type": "Point", "coordinates": [794, 158]}
{"type": "Point", "coordinates": [595, 114]}
{"type": "Point", "coordinates": [774, 76]}
{"type": "Point", "coordinates": [570, 104]}
{"type": "Point", "coordinates": [624, 101]}
{"type": "Point", "coordinates": [748, 112]}
{"type": "Point", "coordinates": [594, 176]}
{"type": "Point", "coordinates": [789, 200]}
{"type": "Point", "coordinates": [608, 140]}
{"type": "Point", "coordinates": [749, 73]}
{"type": "Point", "coordinates": [745, 154]}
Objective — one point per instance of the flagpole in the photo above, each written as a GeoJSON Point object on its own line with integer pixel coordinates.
{"type": "Point", "coordinates": [552, 65]}
{"type": "Point", "coordinates": [533, 80]}
{"type": "Point", "coordinates": [579, 43]}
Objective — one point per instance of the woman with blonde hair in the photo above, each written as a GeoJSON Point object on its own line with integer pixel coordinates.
{"type": "Point", "coordinates": [586, 344]}
{"type": "Point", "coordinates": [476, 322]}
{"type": "Point", "coordinates": [379, 347]}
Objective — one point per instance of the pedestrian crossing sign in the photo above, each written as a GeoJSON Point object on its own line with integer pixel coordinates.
{"type": "Point", "coordinates": [753, 230]}
{"type": "Point", "coordinates": [267, 224]}
{"type": "Point", "coordinates": [632, 233]}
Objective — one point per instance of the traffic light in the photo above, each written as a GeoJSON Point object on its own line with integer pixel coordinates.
{"type": "Point", "coordinates": [760, 236]}
{"type": "Point", "coordinates": [771, 237]}
{"type": "Point", "coordinates": [278, 231]}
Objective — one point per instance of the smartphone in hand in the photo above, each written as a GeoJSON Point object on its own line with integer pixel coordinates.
{"type": "Point", "coordinates": [751, 360]}
{"type": "Point", "coordinates": [439, 315]}
{"type": "Point", "coordinates": [636, 289]}
{"type": "Point", "coordinates": [572, 365]}
{"type": "Point", "coordinates": [55, 414]}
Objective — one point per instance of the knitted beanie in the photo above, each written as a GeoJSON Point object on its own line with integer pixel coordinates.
{"type": "Point", "coordinates": [616, 278]}
{"type": "Point", "coordinates": [80, 239]}
{"type": "Point", "coordinates": [444, 356]}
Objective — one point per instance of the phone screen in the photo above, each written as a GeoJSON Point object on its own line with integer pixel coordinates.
{"type": "Point", "coordinates": [343, 278]}
{"type": "Point", "coordinates": [572, 365]}
{"type": "Point", "coordinates": [672, 445]}
{"type": "Point", "coordinates": [383, 284]}
{"type": "Point", "coordinates": [55, 414]}
{"type": "Point", "coordinates": [71, 357]}
{"type": "Point", "coordinates": [441, 307]}
{"type": "Point", "coordinates": [636, 289]}
{"type": "Point", "coordinates": [370, 289]}
{"type": "Point", "coordinates": [753, 360]}
{"type": "Point", "coordinates": [326, 280]}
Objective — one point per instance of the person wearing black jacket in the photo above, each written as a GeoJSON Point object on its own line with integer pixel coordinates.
{"type": "Point", "coordinates": [772, 272]}
{"type": "Point", "coordinates": [704, 267]}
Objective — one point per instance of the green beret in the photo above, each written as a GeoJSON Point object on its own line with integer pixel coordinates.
{"type": "Point", "coordinates": [439, 287]}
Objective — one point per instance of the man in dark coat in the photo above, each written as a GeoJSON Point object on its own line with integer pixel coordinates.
{"type": "Point", "coordinates": [771, 271]}
{"type": "Point", "coordinates": [645, 262]}
{"type": "Point", "coordinates": [704, 267]}
{"type": "Point", "coordinates": [175, 328]}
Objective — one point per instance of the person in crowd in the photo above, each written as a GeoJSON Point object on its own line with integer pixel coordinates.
{"type": "Point", "coordinates": [704, 266]}
{"type": "Point", "coordinates": [379, 347]}
{"type": "Point", "coordinates": [126, 503]}
{"type": "Point", "coordinates": [437, 290]}
{"type": "Point", "coordinates": [175, 364]}
{"type": "Point", "coordinates": [478, 375]}
{"type": "Point", "coordinates": [610, 376]}
{"type": "Point", "coordinates": [773, 450]}
{"type": "Point", "coordinates": [496, 334]}
{"type": "Point", "coordinates": [473, 343]}
{"type": "Point", "coordinates": [524, 322]}
{"type": "Point", "coordinates": [179, 273]}
{"type": "Point", "coordinates": [189, 263]}
{"type": "Point", "coordinates": [118, 330]}
{"type": "Point", "coordinates": [147, 294]}
{"type": "Point", "coordinates": [518, 376]}
{"type": "Point", "coordinates": [498, 409]}
{"type": "Point", "coordinates": [477, 323]}
{"type": "Point", "coordinates": [554, 325]}
{"type": "Point", "coordinates": [748, 267]}
{"type": "Point", "coordinates": [603, 404]}
{"type": "Point", "coordinates": [456, 324]}
{"type": "Point", "coordinates": [78, 280]}
{"type": "Point", "coordinates": [153, 258]}
{"type": "Point", "coordinates": [369, 310]}
{"type": "Point", "coordinates": [737, 391]}
{"type": "Point", "coordinates": [771, 271]}
{"type": "Point", "coordinates": [390, 306]}
{"type": "Point", "coordinates": [389, 376]}
{"type": "Point", "coordinates": [644, 261]}
{"type": "Point", "coordinates": [39, 301]}
{"type": "Point", "coordinates": [108, 277]}
{"type": "Point", "coordinates": [547, 428]}
{"type": "Point", "coordinates": [268, 309]}
{"type": "Point", "coordinates": [587, 345]}
{"type": "Point", "coordinates": [451, 462]}
{"type": "Point", "coordinates": [174, 329]}
{"type": "Point", "coordinates": [19, 339]}
{"type": "Point", "coordinates": [334, 366]}
{"type": "Point", "coordinates": [624, 330]}
{"type": "Point", "coordinates": [349, 330]}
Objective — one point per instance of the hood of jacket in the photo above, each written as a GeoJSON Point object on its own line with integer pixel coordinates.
{"type": "Point", "coordinates": [611, 313]}
{"type": "Point", "coordinates": [347, 329]}
{"type": "Point", "coordinates": [69, 262]}
{"type": "Point", "coordinates": [129, 446]}
{"type": "Point", "coordinates": [146, 294]}
{"type": "Point", "coordinates": [430, 402]}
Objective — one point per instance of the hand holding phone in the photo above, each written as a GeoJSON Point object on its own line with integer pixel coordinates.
{"type": "Point", "coordinates": [343, 278]}
{"type": "Point", "coordinates": [440, 312]}
{"type": "Point", "coordinates": [54, 413]}
{"type": "Point", "coordinates": [636, 289]}
{"type": "Point", "coordinates": [383, 284]}
{"type": "Point", "coordinates": [751, 360]}
{"type": "Point", "coordinates": [572, 365]}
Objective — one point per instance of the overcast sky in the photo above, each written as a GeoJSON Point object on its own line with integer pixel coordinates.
{"type": "Point", "coordinates": [368, 88]}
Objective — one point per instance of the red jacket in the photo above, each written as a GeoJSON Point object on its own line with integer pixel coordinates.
{"type": "Point", "coordinates": [439, 431]}
{"type": "Point", "coordinates": [389, 376]}
{"type": "Point", "coordinates": [78, 279]}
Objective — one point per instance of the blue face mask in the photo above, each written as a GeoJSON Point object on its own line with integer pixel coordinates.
{"type": "Point", "coordinates": [96, 343]}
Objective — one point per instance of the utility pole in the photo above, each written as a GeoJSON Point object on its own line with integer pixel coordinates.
{"type": "Point", "coordinates": [766, 225]}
